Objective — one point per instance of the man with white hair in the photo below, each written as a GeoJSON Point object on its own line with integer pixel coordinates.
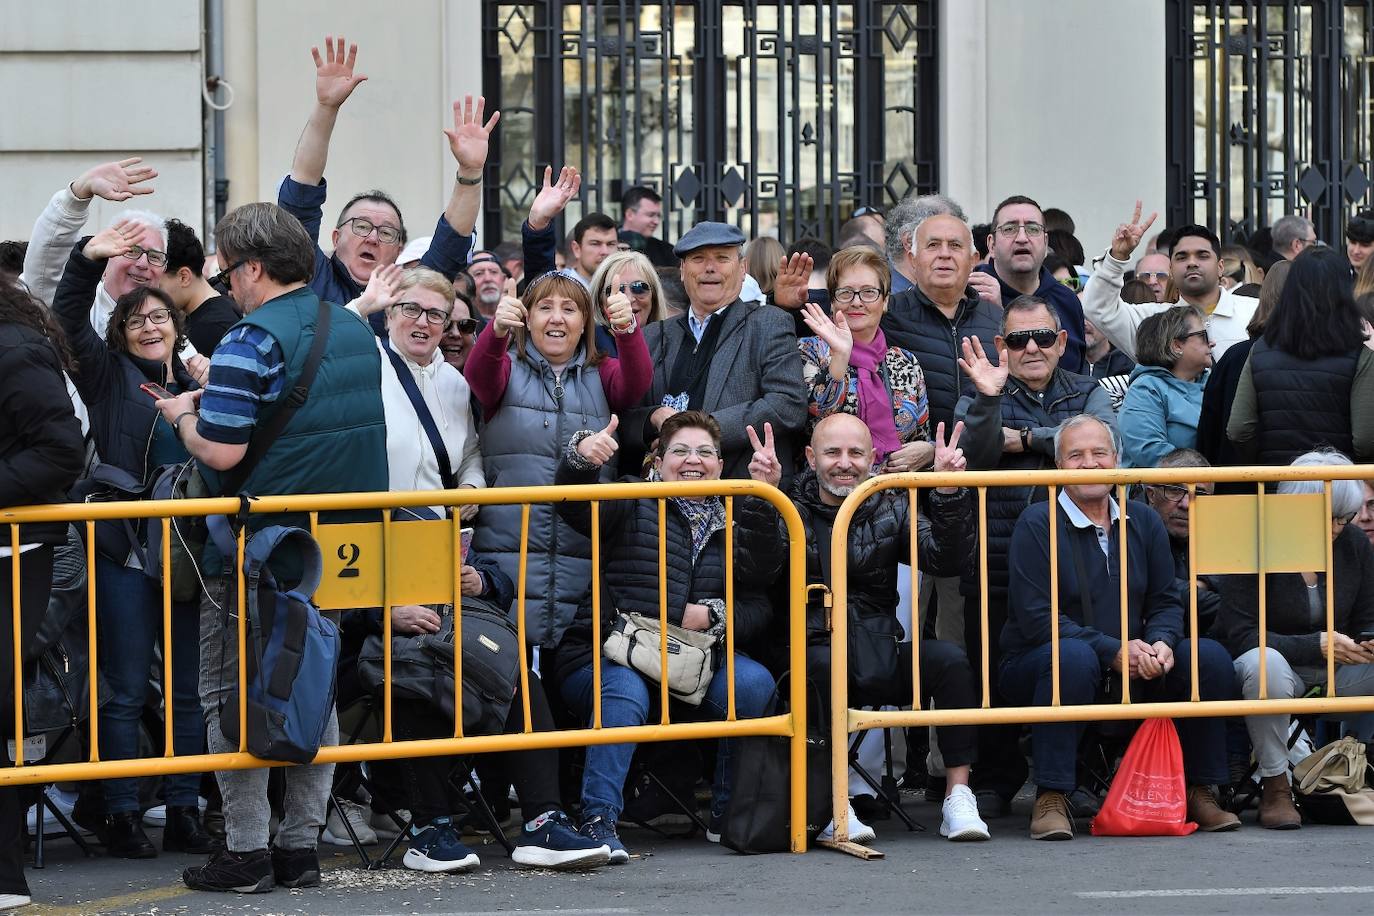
{"type": "Point", "coordinates": [59, 226]}
{"type": "Point", "coordinates": [1292, 235]}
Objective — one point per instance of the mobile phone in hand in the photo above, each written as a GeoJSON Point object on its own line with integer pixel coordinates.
{"type": "Point", "coordinates": [465, 535]}
{"type": "Point", "coordinates": [156, 391]}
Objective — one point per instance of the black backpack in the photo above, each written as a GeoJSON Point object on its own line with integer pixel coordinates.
{"type": "Point", "coordinates": [422, 666]}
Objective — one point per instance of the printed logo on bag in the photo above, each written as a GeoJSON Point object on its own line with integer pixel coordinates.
{"type": "Point", "coordinates": [488, 643]}
{"type": "Point", "coordinates": [1152, 797]}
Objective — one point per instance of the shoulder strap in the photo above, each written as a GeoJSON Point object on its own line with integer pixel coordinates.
{"type": "Point", "coordinates": [265, 435]}
{"type": "Point", "coordinates": [422, 411]}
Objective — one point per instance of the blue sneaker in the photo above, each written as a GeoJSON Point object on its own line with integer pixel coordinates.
{"type": "Point", "coordinates": [437, 848]}
{"type": "Point", "coordinates": [551, 841]}
{"type": "Point", "coordinates": [600, 830]}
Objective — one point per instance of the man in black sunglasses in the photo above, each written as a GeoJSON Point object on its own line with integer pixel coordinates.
{"type": "Point", "coordinates": [1019, 403]}
{"type": "Point", "coordinates": [1017, 247]}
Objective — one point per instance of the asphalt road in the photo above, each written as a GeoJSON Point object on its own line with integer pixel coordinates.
{"type": "Point", "coordinates": [1313, 870]}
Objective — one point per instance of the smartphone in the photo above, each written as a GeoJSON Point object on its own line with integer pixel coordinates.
{"type": "Point", "coordinates": [156, 391]}
{"type": "Point", "coordinates": [465, 535]}
{"type": "Point", "coordinates": [1366, 636]}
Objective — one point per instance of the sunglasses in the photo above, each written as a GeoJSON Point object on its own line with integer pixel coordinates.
{"type": "Point", "coordinates": [220, 281]}
{"type": "Point", "coordinates": [866, 211]}
{"type": "Point", "coordinates": [635, 288]}
{"type": "Point", "coordinates": [1072, 281]}
{"type": "Point", "coordinates": [463, 325]}
{"type": "Point", "coordinates": [1201, 332]}
{"type": "Point", "coordinates": [1044, 338]}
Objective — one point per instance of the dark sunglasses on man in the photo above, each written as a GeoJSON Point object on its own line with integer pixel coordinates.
{"type": "Point", "coordinates": [1044, 339]}
{"type": "Point", "coordinates": [463, 325]}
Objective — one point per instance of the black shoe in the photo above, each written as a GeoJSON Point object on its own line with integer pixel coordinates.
{"type": "Point", "coordinates": [214, 823]}
{"type": "Point", "coordinates": [125, 837]}
{"type": "Point", "coordinates": [296, 867]}
{"type": "Point", "coordinates": [935, 790]}
{"type": "Point", "coordinates": [243, 872]}
{"type": "Point", "coordinates": [991, 804]}
{"type": "Point", "coordinates": [869, 808]}
{"type": "Point", "coordinates": [184, 832]}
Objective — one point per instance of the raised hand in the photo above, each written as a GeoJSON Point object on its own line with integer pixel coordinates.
{"type": "Point", "coordinates": [1128, 235]}
{"type": "Point", "coordinates": [834, 330]}
{"type": "Point", "coordinates": [510, 311]}
{"type": "Point", "coordinates": [383, 290]}
{"type": "Point", "coordinates": [469, 138]}
{"type": "Point", "coordinates": [620, 314]}
{"type": "Point", "coordinates": [792, 282]}
{"type": "Point", "coordinates": [987, 378]}
{"type": "Point", "coordinates": [334, 76]}
{"type": "Point", "coordinates": [987, 287]}
{"type": "Point", "coordinates": [599, 447]}
{"type": "Point", "coordinates": [113, 241]}
{"type": "Point", "coordinates": [948, 455]}
{"type": "Point", "coordinates": [115, 181]}
{"type": "Point", "coordinates": [554, 196]}
{"type": "Point", "coordinates": [764, 466]}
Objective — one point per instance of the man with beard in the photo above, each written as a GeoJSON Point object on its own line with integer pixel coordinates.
{"type": "Point", "coordinates": [488, 280]}
{"type": "Point", "coordinates": [1194, 266]}
{"type": "Point", "coordinates": [1017, 246]}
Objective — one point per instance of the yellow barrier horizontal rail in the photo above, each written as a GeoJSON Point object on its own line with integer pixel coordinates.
{"type": "Point", "coordinates": [1276, 527]}
{"type": "Point", "coordinates": [790, 724]}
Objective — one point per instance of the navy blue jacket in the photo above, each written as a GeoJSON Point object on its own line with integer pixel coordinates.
{"type": "Point", "coordinates": [1065, 302]}
{"type": "Point", "coordinates": [1155, 614]}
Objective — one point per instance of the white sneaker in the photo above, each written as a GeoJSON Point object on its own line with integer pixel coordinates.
{"type": "Point", "coordinates": [961, 820]}
{"type": "Point", "coordinates": [65, 802]}
{"type": "Point", "coordinates": [336, 834]}
{"type": "Point", "coordinates": [156, 816]}
{"type": "Point", "coordinates": [383, 825]}
{"type": "Point", "coordinates": [859, 832]}
{"type": "Point", "coordinates": [10, 901]}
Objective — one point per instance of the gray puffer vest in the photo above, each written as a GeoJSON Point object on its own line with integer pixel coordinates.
{"type": "Point", "coordinates": [521, 445]}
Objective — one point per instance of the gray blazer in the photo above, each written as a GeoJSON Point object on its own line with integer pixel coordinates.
{"type": "Point", "coordinates": [755, 377]}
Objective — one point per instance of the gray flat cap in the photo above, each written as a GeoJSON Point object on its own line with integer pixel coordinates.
{"type": "Point", "coordinates": [703, 234]}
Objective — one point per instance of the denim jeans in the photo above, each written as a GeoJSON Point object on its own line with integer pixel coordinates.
{"type": "Point", "coordinates": [626, 698]}
{"type": "Point", "coordinates": [1026, 681]}
{"type": "Point", "coordinates": [129, 615]}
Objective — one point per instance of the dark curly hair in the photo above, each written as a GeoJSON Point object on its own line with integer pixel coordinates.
{"type": "Point", "coordinates": [130, 303]}
{"type": "Point", "coordinates": [19, 306]}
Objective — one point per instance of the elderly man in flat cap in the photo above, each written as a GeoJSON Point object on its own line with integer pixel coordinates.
{"type": "Point", "coordinates": [736, 360]}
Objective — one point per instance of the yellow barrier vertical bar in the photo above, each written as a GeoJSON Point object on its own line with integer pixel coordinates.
{"type": "Point", "coordinates": [17, 619]}
{"type": "Point", "coordinates": [796, 537]}
{"type": "Point", "coordinates": [167, 691]}
{"type": "Point", "coordinates": [913, 515]}
{"type": "Point", "coordinates": [983, 591]}
{"type": "Point", "coordinates": [1192, 591]}
{"type": "Point", "coordinates": [243, 640]}
{"type": "Point", "coordinates": [730, 608]}
{"type": "Point", "coordinates": [315, 525]}
{"type": "Point", "coordinates": [1330, 603]}
{"type": "Point", "coordinates": [520, 620]}
{"type": "Point", "coordinates": [1054, 594]}
{"type": "Point", "coordinates": [386, 629]}
{"type": "Point", "coordinates": [458, 559]}
{"type": "Point", "coordinates": [839, 665]}
{"type": "Point", "coordinates": [663, 605]}
{"type": "Point", "coordinates": [596, 614]}
{"type": "Point", "coordinates": [1263, 597]}
{"type": "Point", "coordinates": [1125, 597]}
{"type": "Point", "coordinates": [93, 720]}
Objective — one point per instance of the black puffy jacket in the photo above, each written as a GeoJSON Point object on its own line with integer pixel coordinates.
{"type": "Point", "coordinates": [629, 566]}
{"type": "Point", "coordinates": [1302, 403]}
{"type": "Point", "coordinates": [914, 323]}
{"type": "Point", "coordinates": [879, 539]}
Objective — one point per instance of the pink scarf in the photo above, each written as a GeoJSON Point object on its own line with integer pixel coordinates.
{"type": "Point", "coordinates": [875, 404]}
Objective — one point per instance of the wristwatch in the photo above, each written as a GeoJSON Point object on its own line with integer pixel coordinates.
{"type": "Point", "coordinates": [1025, 440]}
{"type": "Point", "coordinates": [469, 181]}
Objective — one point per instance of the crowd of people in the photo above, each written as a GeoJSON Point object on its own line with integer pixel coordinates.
{"type": "Point", "coordinates": [918, 343]}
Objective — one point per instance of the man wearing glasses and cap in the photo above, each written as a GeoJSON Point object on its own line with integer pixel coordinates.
{"type": "Point", "coordinates": [735, 360]}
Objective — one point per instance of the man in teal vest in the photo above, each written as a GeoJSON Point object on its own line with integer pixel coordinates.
{"type": "Point", "coordinates": [335, 442]}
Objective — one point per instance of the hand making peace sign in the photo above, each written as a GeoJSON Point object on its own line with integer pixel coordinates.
{"type": "Point", "coordinates": [764, 466]}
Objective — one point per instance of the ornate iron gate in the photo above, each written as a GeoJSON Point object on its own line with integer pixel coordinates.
{"type": "Point", "coordinates": [1280, 114]}
{"type": "Point", "coordinates": [781, 116]}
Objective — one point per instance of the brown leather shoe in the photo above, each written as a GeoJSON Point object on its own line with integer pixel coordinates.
{"type": "Point", "coordinates": [1276, 808]}
{"type": "Point", "coordinates": [1204, 810]}
{"type": "Point", "coordinates": [1052, 819]}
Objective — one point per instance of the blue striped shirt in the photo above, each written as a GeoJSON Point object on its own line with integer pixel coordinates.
{"type": "Point", "coordinates": [247, 371]}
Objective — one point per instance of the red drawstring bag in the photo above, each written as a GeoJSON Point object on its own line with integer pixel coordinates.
{"type": "Point", "coordinates": [1148, 796]}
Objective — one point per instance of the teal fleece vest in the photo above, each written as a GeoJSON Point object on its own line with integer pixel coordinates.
{"type": "Point", "coordinates": [336, 441]}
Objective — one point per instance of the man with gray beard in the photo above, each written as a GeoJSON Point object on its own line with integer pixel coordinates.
{"type": "Point", "coordinates": [488, 280]}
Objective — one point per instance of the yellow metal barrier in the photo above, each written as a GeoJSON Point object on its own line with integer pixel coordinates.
{"type": "Point", "coordinates": [379, 564]}
{"type": "Point", "coordinates": [1264, 533]}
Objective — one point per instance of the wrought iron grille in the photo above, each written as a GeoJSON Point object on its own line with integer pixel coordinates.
{"type": "Point", "coordinates": [1280, 120]}
{"type": "Point", "coordinates": [781, 116]}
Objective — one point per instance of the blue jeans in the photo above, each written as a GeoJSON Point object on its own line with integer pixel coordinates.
{"type": "Point", "coordinates": [1025, 679]}
{"type": "Point", "coordinates": [129, 614]}
{"type": "Point", "coordinates": [625, 700]}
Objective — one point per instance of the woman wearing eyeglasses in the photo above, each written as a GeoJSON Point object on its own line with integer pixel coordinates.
{"type": "Point", "coordinates": [140, 347]}
{"type": "Point", "coordinates": [1162, 405]}
{"type": "Point", "coordinates": [849, 368]}
{"type": "Point", "coordinates": [628, 274]}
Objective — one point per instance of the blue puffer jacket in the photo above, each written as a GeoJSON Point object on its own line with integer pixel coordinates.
{"type": "Point", "coordinates": [1160, 414]}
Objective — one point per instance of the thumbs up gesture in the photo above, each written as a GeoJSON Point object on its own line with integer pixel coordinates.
{"type": "Point", "coordinates": [510, 312]}
{"type": "Point", "coordinates": [599, 447]}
